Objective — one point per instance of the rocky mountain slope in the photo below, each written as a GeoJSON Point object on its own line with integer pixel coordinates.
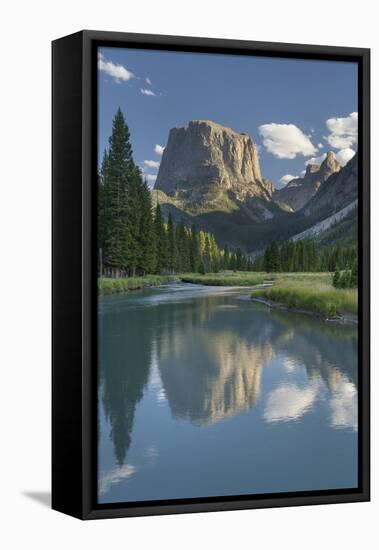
{"type": "Point", "coordinates": [300, 190]}
{"type": "Point", "coordinates": [338, 191]}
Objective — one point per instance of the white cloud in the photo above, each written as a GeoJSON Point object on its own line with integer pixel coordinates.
{"type": "Point", "coordinates": [344, 155]}
{"type": "Point", "coordinates": [158, 149]}
{"type": "Point", "coordinates": [148, 81]}
{"type": "Point", "coordinates": [343, 131]}
{"type": "Point", "coordinates": [316, 160]}
{"type": "Point", "coordinates": [115, 476]}
{"type": "Point", "coordinates": [150, 177]}
{"type": "Point", "coordinates": [151, 163]}
{"type": "Point", "coordinates": [344, 406]}
{"type": "Point", "coordinates": [146, 91]}
{"type": "Point", "coordinates": [285, 141]}
{"type": "Point", "coordinates": [286, 178]}
{"type": "Point", "coordinates": [289, 402]}
{"type": "Point", "coordinates": [320, 145]}
{"type": "Point", "coordinates": [302, 173]}
{"type": "Point", "coordinates": [117, 72]}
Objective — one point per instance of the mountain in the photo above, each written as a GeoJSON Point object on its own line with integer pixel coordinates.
{"type": "Point", "coordinates": [203, 154]}
{"type": "Point", "coordinates": [300, 190]}
{"type": "Point", "coordinates": [207, 167]}
{"type": "Point", "coordinates": [338, 191]}
{"type": "Point", "coordinates": [210, 177]}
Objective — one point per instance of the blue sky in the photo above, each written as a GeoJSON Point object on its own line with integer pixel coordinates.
{"type": "Point", "coordinates": [294, 110]}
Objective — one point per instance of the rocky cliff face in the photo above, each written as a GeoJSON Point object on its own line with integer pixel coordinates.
{"type": "Point", "coordinates": [300, 190]}
{"type": "Point", "coordinates": [205, 157]}
{"type": "Point", "coordinates": [338, 191]}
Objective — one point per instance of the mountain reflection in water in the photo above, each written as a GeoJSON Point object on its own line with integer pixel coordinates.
{"type": "Point", "coordinates": [180, 364]}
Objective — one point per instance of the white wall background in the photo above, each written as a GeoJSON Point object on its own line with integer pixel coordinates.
{"type": "Point", "coordinates": [27, 29]}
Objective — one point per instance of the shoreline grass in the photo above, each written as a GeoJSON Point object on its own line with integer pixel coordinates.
{"type": "Point", "coordinates": [312, 292]}
{"type": "Point", "coordinates": [107, 285]}
{"type": "Point", "coordinates": [225, 278]}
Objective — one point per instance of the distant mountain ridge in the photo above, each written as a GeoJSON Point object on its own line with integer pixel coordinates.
{"type": "Point", "coordinates": [300, 190]}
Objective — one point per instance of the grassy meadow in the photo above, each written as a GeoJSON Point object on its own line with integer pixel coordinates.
{"type": "Point", "coordinates": [108, 286]}
{"type": "Point", "coordinates": [310, 291]}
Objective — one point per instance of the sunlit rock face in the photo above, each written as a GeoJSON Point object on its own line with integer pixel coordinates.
{"type": "Point", "coordinates": [215, 380]}
{"type": "Point", "coordinates": [204, 155]}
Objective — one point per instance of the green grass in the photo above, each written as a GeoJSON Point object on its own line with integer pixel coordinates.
{"type": "Point", "coordinates": [310, 291]}
{"type": "Point", "coordinates": [107, 285]}
{"type": "Point", "coordinates": [225, 278]}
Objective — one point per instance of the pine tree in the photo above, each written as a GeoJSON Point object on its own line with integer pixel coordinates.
{"type": "Point", "coordinates": [160, 241]}
{"type": "Point", "coordinates": [101, 201]}
{"type": "Point", "coordinates": [119, 172]}
{"type": "Point", "coordinates": [239, 260]}
{"type": "Point", "coordinates": [194, 249]}
{"type": "Point", "coordinates": [207, 254]}
{"type": "Point", "coordinates": [201, 243]}
{"type": "Point", "coordinates": [146, 242]}
{"type": "Point", "coordinates": [272, 258]}
{"type": "Point", "coordinates": [226, 258]}
{"type": "Point", "coordinates": [233, 262]}
{"type": "Point", "coordinates": [182, 247]}
{"type": "Point", "coordinates": [132, 250]}
{"type": "Point", "coordinates": [214, 254]}
{"type": "Point", "coordinates": [354, 273]}
{"type": "Point", "coordinates": [171, 248]}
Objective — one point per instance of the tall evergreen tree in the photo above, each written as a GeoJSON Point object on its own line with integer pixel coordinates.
{"type": "Point", "coordinates": [119, 172]}
{"type": "Point", "coordinates": [171, 248]}
{"type": "Point", "coordinates": [272, 258]}
{"type": "Point", "coordinates": [146, 260]}
{"type": "Point", "coordinates": [226, 258]}
{"type": "Point", "coordinates": [239, 260]}
{"type": "Point", "coordinates": [182, 248]}
{"type": "Point", "coordinates": [160, 241]}
{"type": "Point", "coordinates": [132, 250]}
{"type": "Point", "coordinates": [194, 249]}
{"type": "Point", "coordinates": [101, 201]}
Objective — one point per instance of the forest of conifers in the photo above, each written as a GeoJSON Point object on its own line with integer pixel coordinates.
{"type": "Point", "coordinates": [134, 239]}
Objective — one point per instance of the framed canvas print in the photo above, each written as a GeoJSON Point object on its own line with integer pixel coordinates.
{"type": "Point", "coordinates": [210, 275]}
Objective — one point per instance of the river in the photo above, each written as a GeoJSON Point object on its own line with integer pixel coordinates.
{"type": "Point", "coordinates": [202, 392]}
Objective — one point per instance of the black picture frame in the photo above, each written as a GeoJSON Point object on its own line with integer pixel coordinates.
{"type": "Point", "coordinates": [74, 385]}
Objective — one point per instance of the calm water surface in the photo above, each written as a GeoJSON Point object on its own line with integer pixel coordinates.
{"type": "Point", "coordinates": [203, 393]}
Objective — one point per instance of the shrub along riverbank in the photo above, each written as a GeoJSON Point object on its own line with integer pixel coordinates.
{"type": "Point", "coordinates": [225, 278]}
{"type": "Point", "coordinates": [310, 291]}
{"type": "Point", "coordinates": [107, 285]}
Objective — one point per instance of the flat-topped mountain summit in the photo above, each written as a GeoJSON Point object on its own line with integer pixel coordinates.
{"type": "Point", "coordinates": [204, 154]}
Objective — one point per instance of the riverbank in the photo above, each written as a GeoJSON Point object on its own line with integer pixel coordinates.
{"type": "Point", "coordinates": [225, 278]}
{"type": "Point", "coordinates": [106, 285]}
{"type": "Point", "coordinates": [310, 293]}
